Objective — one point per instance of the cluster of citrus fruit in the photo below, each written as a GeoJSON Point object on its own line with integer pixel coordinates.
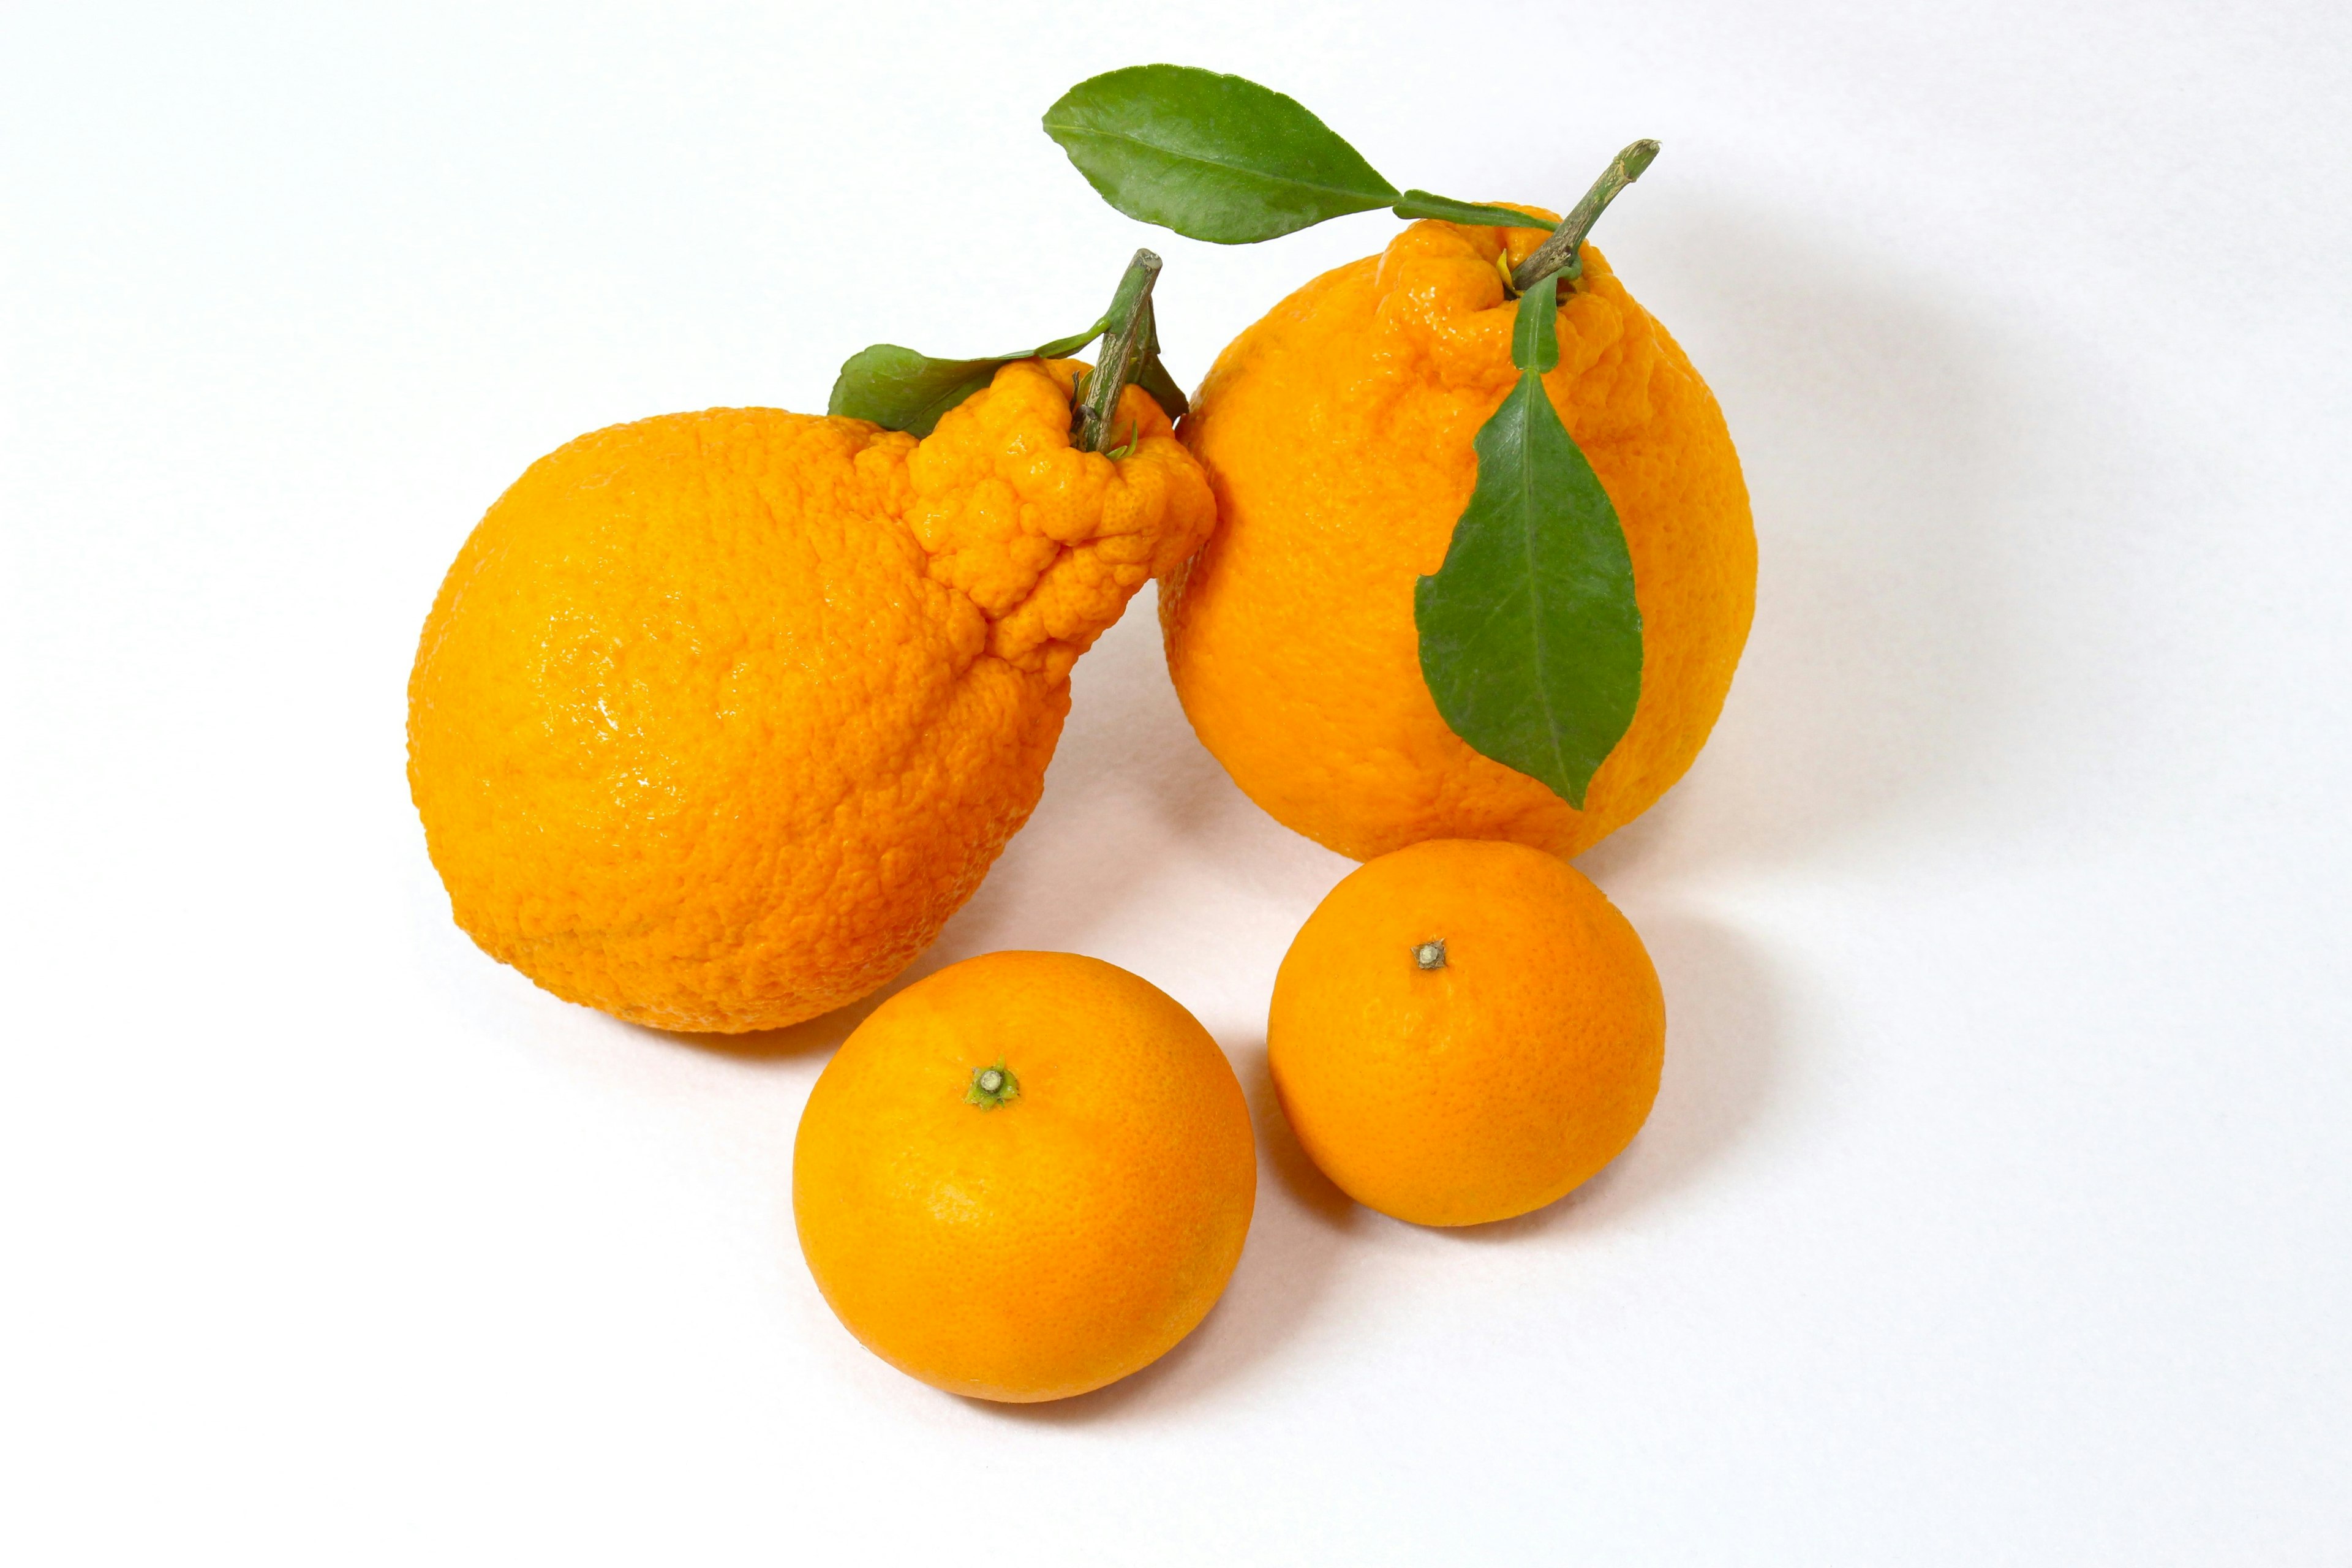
{"type": "Point", "coordinates": [719, 716]}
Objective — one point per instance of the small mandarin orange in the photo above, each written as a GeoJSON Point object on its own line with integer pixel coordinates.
{"type": "Point", "coordinates": [1465, 1031]}
{"type": "Point", "coordinates": [1025, 1176]}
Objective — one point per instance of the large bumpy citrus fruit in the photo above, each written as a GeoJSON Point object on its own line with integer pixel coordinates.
{"type": "Point", "coordinates": [720, 716]}
{"type": "Point", "coordinates": [1025, 1176]}
{"type": "Point", "coordinates": [1465, 1031]}
{"type": "Point", "coordinates": [1337, 433]}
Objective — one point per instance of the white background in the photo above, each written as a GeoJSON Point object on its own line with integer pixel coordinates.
{"type": "Point", "coordinates": [1997, 1206]}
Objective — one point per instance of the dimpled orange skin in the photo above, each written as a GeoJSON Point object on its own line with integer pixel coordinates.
{"type": "Point", "coordinates": [1489, 1086]}
{"type": "Point", "coordinates": [720, 716]}
{"type": "Point", "coordinates": [1047, 1246]}
{"type": "Point", "coordinates": [1337, 432]}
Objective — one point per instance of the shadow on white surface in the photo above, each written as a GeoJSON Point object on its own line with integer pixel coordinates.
{"type": "Point", "coordinates": [821, 1034]}
{"type": "Point", "coordinates": [1882, 436]}
{"type": "Point", "coordinates": [1134, 809]}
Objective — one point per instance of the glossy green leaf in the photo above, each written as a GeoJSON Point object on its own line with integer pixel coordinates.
{"type": "Point", "coordinates": [1534, 329]}
{"type": "Point", "coordinates": [1422, 204]}
{"type": "Point", "coordinates": [1211, 156]}
{"type": "Point", "coordinates": [899, 389]}
{"type": "Point", "coordinates": [1531, 635]}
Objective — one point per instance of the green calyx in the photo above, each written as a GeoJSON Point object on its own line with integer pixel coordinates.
{"type": "Point", "coordinates": [1429, 954]}
{"type": "Point", "coordinates": [992, 1087]}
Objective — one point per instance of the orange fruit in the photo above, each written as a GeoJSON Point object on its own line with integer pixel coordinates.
{"type": "Point", "coordinates": [1025, 1176]}
{"type": "Point", "coordinates": [1466, 1030]}
{"type": "Point", "coordinates": [720, 716]}
{"type": "Point", "coordinates": [1337, 433]}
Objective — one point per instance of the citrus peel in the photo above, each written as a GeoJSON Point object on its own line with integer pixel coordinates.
{"type": "Point", "coordinates": [718, 717]}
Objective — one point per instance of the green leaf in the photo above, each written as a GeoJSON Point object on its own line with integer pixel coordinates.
{"type": "Point", "coordinates": [1423, 203]}
{"type": "Point", "coordinates": [899, 389]}
{"type": "Point", "coordinates": [1211, 156]}
{"type": "Point", "coordinates": [1154, 377]}
{"type": "Point", "coordinates": [1061, 348]}
{"type": "Point", "coordinates": [1534, 329]}
{"type": "Point", "coordinates": [1530, 637]}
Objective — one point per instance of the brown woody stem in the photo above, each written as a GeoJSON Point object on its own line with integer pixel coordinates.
{"type": "Point", "coordinates": [1124, 344]}
{"type": "Point", "coordinates": [1560, 252]}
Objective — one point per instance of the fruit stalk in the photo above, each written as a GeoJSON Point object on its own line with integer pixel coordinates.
{"type": "Point", "coordinates": [1126, 340]}
{"type": "Point", "coordinates": [1559, 253]}
{"type": "Point", "coordinates": [992, 1087]}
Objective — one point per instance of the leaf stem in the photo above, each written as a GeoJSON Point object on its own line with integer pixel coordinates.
{"type": "Point", "coordinates": [1560, 252]}
{"type": "Point", "coordinates": [1126, 343]}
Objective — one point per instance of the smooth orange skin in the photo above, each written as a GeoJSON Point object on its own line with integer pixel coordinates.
{"type": "Point", "coordinates": [1489, 1086]}
{"type": "Point", "coordinates": [720, 716]}
{"type": "Point", "coordinates": [1048, 1246]}
{"type": "Point", "coordinates": [1337, 433]}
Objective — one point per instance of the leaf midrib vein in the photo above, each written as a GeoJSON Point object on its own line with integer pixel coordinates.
{"type": "Point", "coordinates": [1392, 194]}
{"type": "Point", "coordinates": [1527, 542]}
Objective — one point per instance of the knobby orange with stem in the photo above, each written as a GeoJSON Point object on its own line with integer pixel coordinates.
{"type": "Point", "coordinates": [1483, 568]}
{"type": "Point", "coordinates": [718, 716]}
